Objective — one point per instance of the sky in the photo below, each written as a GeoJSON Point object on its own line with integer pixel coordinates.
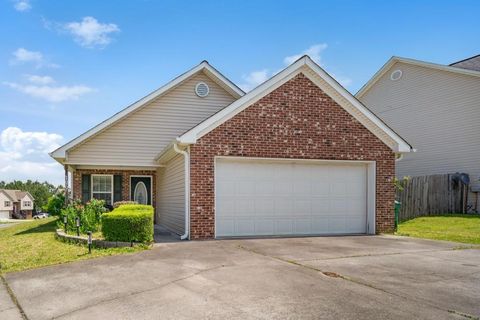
{"type": "Point", "coordinates": [65, 66]}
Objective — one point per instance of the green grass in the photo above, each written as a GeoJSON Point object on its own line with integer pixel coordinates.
{"type": "Point", "coordinates": [32, 244]}
{"type": "Point", "coordinates": [456, 228]}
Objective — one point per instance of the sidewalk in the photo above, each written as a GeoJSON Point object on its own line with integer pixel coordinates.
{"type": "Point", "coordinates": [8, 309]}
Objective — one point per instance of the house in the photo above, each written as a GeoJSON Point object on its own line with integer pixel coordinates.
{"type": "Point", "coordinates": [436, 108]}
{"type": "Point", "coordinates": [298, 155]}
{"type": "Point", "coordinates": [15, 204]}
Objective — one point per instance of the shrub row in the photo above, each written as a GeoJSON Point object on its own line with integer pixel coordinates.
{"type": "Point", "coordinates": [130, 222]}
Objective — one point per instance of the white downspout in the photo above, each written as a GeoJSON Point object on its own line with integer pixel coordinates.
{"type": "Point", "coordinates": [186, 157]}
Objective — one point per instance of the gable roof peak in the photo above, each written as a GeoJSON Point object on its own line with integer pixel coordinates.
{"type": "Point", "coordinates": [394, 59]}
{"type": "Point", "coordinates": [307, 66]}
{"type": "Point", "coordinates": [60, 153]}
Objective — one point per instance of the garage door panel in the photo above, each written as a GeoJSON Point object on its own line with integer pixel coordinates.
{"type": "Point", "coordinates": [302, 187]}
{"type": "Point", "coordinates": [284, 226]}
{"type": "Point", "coordinates": [320, 187]}
{"type": "Point", "coordinates": [356, 224]}
{"type": "Point", "coordinates": [283, 207]}
{"type": "Point", "coordinates": [264, 227]}
{"type": "Point", "coordinates": [302, 207]}
{"type": "Point", "coordinates": [337, 224]}
{"type": "Point", "coordinates": [245, 187]}
{"type": "Point", "coordinates": [265, 188]}
{"type": "Point", "coordinates": [265, 197]}
{"type": "Point", "coordinates": [303, 226]}
{"type": "Point", "coordinates": [245, 207]}
{"type": "Point", "coordinates": [264, 206]}
{"type": "Point", "coordinates": [283, 188]}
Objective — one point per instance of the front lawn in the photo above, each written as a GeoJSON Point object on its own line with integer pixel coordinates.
{"type": "Point", "coordinates": [32, 244]}
{"type": "Point", "coordinates": [456, 228]}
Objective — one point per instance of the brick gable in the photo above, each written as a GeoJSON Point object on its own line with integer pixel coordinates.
{"type": "Point", "coordinates": [297, 120]}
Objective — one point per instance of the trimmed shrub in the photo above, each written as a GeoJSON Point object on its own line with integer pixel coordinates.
{"type": "Point", "coordinates": [131, 222]}
{"type": "Point", "coordinates": [122, 203]}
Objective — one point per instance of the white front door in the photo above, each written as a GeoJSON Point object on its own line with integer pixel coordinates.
{"type": "Point", "coordinates": [278, 197]}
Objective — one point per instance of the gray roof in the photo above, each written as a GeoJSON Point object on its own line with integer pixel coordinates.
{"type": "Point", "coordinates": [15, 195]}
{"type": "Point", "coordinates": [472, 63]}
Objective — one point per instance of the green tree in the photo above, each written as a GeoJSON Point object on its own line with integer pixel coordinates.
{"type": "Point", "coordinates": [55, 204]}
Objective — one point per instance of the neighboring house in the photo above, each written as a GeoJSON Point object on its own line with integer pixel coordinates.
{"type": "Point", "coordinates": [15, 204]}
{"type": "Point", "coordinates": [298, 155]}
{"type": "Point", "coordinates": [434, 107]}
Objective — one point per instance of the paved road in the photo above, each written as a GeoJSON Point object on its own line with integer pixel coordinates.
{"type": "Point", "coordinates": [364, 277]}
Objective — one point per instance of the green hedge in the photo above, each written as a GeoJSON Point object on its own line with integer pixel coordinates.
{"type": "Point", "coordinates": [132, 222]}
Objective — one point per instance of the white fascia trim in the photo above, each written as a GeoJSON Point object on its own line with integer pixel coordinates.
{"type": "Point", "coordinates": [60, 153]}
{"type": "Point", "coordinates": [414, 62]}
{"type": "Point", "coordinates": [191, 136]}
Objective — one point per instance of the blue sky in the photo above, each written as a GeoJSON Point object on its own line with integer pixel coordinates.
{"type": "Point", "coordinates": [67, 65]}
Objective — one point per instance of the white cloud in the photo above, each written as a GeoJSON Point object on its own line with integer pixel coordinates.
{"type": "Point", "coordinates": [24, 155]}
{"type": "Point", "coordinates": [314, 52]}
{"type": "Point", "coordinates": [22, 55]}
{"type": "Point", "coordinates": [42, 88]}
{"type": "Point", "coordinates": [22, 5]}
{"type": "Point", "coordinates": [51, 93]}
{"type": "Point", "coordinates": [20, 143]}
{"type": "Point", "coordinates": [254, 78]}
{"type": "Point", "coordinates": [39, 79]}
{"type": "Point", "coordinates": [90, 33]}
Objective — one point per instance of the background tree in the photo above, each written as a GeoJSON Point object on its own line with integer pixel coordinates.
{"type": "Point", "coordinates": [55, 204]}
{"type": "Point", "coordinates": [41, 191]}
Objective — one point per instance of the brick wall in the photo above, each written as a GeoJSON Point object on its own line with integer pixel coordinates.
{"type": "Point", "coordinates": [77, 181]}
{"type": "Point", "coordinates": [297, 120]}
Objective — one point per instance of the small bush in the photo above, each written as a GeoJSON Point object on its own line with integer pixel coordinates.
{"type": "Point", "coordinates": [122, 203]}
{"type": "Point", "coordinates": [131, 222]}
{"type": "Point", "coordinates": [89, 214]}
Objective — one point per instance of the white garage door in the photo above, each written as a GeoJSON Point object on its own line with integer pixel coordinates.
{"type": "Point", "coordinates": [268, 197]}
{"type": "Point", "coordinates": [4, 215]}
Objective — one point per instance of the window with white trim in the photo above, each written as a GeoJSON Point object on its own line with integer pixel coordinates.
{"type": "Point", "coordinates": [6, 204]}
{"type": "Point", "coordinates": [27, 203]}
{"type": "Point", "coordinates": [102, 188]}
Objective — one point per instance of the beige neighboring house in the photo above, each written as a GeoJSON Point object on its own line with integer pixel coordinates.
{"type": "Point", "coordinates": [16, 204]}
{"type": "Point", "coordinates": [434, 107]}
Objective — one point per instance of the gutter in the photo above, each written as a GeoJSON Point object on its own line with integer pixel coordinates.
{"type": "Point", "coordinates": [186, 157]}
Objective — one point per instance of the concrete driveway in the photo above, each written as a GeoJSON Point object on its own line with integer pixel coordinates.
{"type": "Point", "coordinates": [363, 277]}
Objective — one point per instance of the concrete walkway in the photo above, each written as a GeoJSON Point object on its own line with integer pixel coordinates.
{"type": "Point", "coordinates": [8, 309]}
{"type": "Point", "coordinates": [363, 277]}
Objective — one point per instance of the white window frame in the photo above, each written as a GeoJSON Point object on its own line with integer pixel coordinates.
{"type": "Point", "coordinates": [91, 185]}
{"type": "Point", "coordinates": [27, 203]}
{"type": "Point", "coordinates": [6, 203]}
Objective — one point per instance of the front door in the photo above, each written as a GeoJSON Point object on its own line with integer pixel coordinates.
{"type": "Point", "coordinates": [141, 189]}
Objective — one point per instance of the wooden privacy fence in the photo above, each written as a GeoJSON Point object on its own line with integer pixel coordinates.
{"type": "Point", "coordinates": [431, 195]}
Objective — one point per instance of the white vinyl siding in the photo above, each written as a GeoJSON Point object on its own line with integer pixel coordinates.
{"type": "Point", "coordinates": [171, 195]}
{"type": "Point", "coordinates": [3, 200]}
{"type": "Point", "coordinates": [438, 112]}
{"type": "Point", "coordinates": [137, 139]}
